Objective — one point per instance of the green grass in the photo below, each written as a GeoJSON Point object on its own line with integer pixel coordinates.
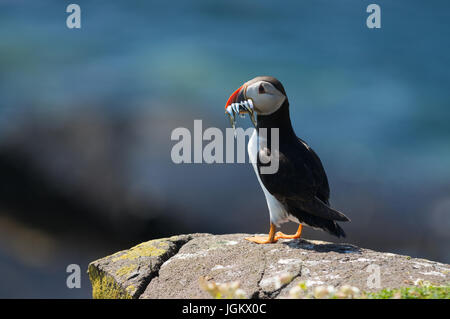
{"type": "Point", "coordinates": [420, 292]}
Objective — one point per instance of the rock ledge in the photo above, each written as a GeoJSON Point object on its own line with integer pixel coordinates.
{"type": "Point", "coordinates": [172, 267]}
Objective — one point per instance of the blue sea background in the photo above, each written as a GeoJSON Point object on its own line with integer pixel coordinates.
{"type": "Point", "coordinates": [91, 111]}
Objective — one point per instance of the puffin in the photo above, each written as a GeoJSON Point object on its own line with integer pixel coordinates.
{"type": "Point", "coordinates": [298, 191]}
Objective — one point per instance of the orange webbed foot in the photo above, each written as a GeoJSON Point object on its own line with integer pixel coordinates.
{"type": "Point", "coordinates": [262, 239]}
{"type": "Point", "coordinates": [280, 235]}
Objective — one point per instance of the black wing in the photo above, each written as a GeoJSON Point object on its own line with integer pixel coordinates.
{"type": "Point", "coordinates": [323, 188]}
{"type": "Point", "coordinates": [301, 185]}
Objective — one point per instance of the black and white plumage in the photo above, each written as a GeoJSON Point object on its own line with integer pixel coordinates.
{"type": "Point", "coordinates": [298, 191]}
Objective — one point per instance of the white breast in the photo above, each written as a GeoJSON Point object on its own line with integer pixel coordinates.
{"type": "Point", "coordinates": [278, 214]}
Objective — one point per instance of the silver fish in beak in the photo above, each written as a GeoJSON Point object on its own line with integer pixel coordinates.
{"type": "Point", "coordinates": [240, 108]}
{"type": "Point", "coordinates": [238, 104]}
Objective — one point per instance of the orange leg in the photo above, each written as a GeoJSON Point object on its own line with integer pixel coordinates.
{"type": "Point", "coordinates": [296, 235]}
{"type": "Point", "coordinates": [265, 240]}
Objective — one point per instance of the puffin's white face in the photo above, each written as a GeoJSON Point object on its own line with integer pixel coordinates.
{"type": "Point", "coordinates": [259, 96]}
{"type": "Point", "coordinates": [266, 97]}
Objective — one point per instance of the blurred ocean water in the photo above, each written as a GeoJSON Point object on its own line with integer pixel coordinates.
{"type": "Point", "coordinates": [92, 110]}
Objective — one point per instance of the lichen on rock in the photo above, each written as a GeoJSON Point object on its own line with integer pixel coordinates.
{"type": "Point", "coordinates": [150, 248]}
{"type": "Point", "coordinates": [105, 286]}
{"type": "Point", "coordinates": [126, 273]}
{"type": "Point", "coordinates": [171, 268]}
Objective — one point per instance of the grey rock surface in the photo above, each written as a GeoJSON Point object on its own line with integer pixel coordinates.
{"type": "Point", "coordinates": [174, 268]}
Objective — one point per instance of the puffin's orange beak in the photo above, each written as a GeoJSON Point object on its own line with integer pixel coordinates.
{"type": "Point", "coordinates": [238, 104]}
{"type": "Point", "coordinates": [234, 97]}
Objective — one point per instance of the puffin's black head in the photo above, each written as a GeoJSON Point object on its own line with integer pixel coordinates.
{"type": "Point", "coordinates": [266, 93]}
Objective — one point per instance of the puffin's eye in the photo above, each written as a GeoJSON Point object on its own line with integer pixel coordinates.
{"type": "Point", "coordinates": [261, 89]}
